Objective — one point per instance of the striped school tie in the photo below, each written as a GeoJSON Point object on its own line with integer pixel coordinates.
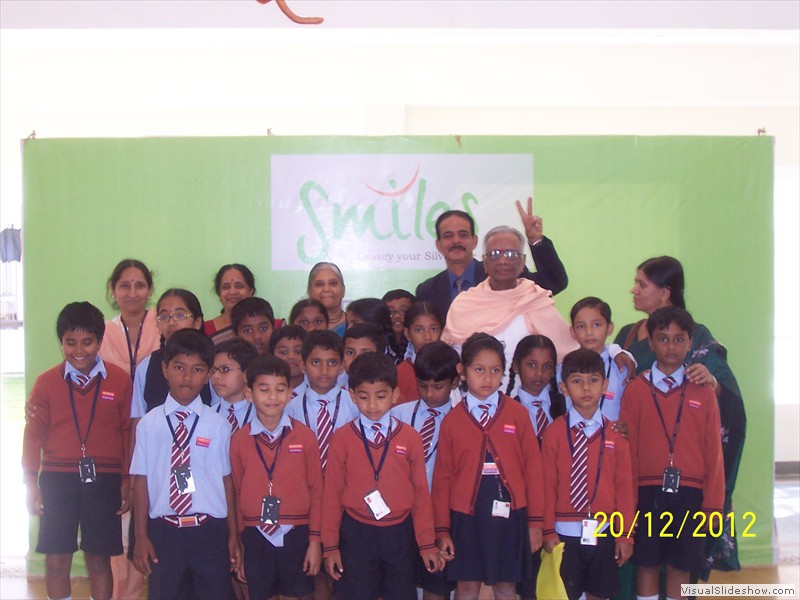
{"type": "Point", "coordinates": [324, 430]}
{"type": "Point", "coordinates": [541, 419]}
{"type": "Point", "coordinates": [578, 486]}
{"type": "Point", "coordinates": [428, 429]}
{"type": "Point", "coordinates": [484, 418]}
{"type": "Point", "coordinates": [379, 437]}
{"type": "Point", "coordinates": [80, 379]}
{"type": "Point", "coordinates": [670, 381]}
{"type": "Point", "coordinates": [232, 419]}
{"type": "Point", "coordinates": [180, 503]}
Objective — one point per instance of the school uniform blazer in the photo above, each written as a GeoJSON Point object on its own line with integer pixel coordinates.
{"type": "Point", "coordinates": [510, 438]}
{"type": "Point", "coordinates": [614, 487]}
{"type": "Point", "coordinates": [407, 381]}
{"type": "Point", "coordinates": [50, 441]}
{"type": "Point", "coordinates": [402, 482]}
{"type": "Point", "coordinates": [550, 275]}
{"type": "Point", "coordinates": [698, 446]}
{"type": "Point", "coordinates": [296, 480]}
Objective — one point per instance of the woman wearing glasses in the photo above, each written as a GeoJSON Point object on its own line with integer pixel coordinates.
{"type": "Point", "coordinates": [505, 305]}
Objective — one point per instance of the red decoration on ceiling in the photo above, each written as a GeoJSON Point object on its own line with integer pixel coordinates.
{"type": "Point", "coordinates": [292, 15]}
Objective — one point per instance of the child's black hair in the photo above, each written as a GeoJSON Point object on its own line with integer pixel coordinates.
{"type": "Point", "coordinates": [297, 309]}
{"type": "Point", "coordinates": [81, 316]}
{"type": "Point", "coordinates": [375, 311]}
{"type": "Point", "coordinates": [436, 362]}
{"type": "Point", "coordinates": [663, 317]}
{"type": "Point", "coordinates": [584, 361]}
{"type": "Point", "coordinates": [237, 350]}
{"type": "Point", "coordinates": [594, 302]}
{"type": "Point", "coordinates": [558, 404]}
{"type": "Point", "coordinates": [287, 332]}
{"type": "Point", "coordinates": [423, 307]}
{"type": "Point", "coordinates": [267, 365]}
{"type": "Point", "coordinates": [476, 343]}
{"type": "Point", "coordinates": [372, 367]}
{"type": "Point", "coordinates": [326, 339]}
{"type": "Point", "coordinates": [251, 307]}
{"type": "Point", "coordinates": [398, 294]}
{"type": "Point", "coordinates": [190, 341]}
{"type": "Point", "coordinates": [366, 330]}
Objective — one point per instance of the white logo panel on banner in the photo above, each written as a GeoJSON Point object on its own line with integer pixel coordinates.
{"type": "Point", "coordinates": [378, 211]}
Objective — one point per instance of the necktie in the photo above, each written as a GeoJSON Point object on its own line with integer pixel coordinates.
{"type": "Point", "coordinates": [669, 380]}
{"type": "Point", "coordinates": [459, 282]}
{"type": "Point", "coordinates": [541, 419]}
{"type": "Point", "coordinates": [379, 437]}
{"type": "Point", "coordinates": [80, 379]}
{"type": "Point", "coordinates": [232, 419]}
{"type": "Point", "coordinates": [269, 529]}
{"type": "Point", "coordinates": [180, 502]}
{"type": "Point", "coordinates": [428, 429]}
{"type": "Point", "coordinates": [484, 418]}
{"type": "Point", "coordinates": [578, 487]}
{"type": "Point", "coordinates": [324, 430]}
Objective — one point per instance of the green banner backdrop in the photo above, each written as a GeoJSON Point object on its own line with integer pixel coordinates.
{"type": "Point", "coordinates": [185, 206]}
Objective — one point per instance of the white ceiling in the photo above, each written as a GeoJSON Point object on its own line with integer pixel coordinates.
{"type": "Point", "coordinates": [519, 14]}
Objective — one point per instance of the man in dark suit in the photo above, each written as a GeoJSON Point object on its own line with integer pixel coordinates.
{"type": "Point", "coordinates": [456, 240]}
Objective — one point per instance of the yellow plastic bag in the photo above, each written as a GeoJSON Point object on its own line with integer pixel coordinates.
{"type": "Point", "coordinates": [549, 585]}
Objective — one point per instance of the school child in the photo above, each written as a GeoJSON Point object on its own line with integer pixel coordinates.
{"type": "Point", "coordinates": [309, 314]}
{"type": "Point", "coordinates": [588, 483]}
{"type": "Point", "coordinates": [278, 481]}
{"type": "Point", "coordinates": [423, 325]}
{"type": "Point", "coordinates": [253, 320]}
{"type": "Point", "coordinates": [185, 518]}
{"type": "Point", "coordinates": [591, 326]}
{"type": "Point", "coordinates": [176, 309]}
{"type": "Point", "coordinates": [676, 454]}
{"type": "Point", "coordinates": [287, 344]}
{"type": "Point", "coordinates": [228, 377]}
{"type": "Point", "coordinates": [75, 454]}
{"type": "Point", "coordinates": [376, 505]}
{"type": "Point", "coordinates": [487, 482]}
{"type": "Point", "coordinates": [398, 302]}
{"type": "Point", "coordinates": [358, 339]}
{"type": "Point", "coordinates": [535, 362]}
{"type": "Point", "coordinates": [323, 407]}
{"type": "Point", "coordinates": [436, 368]}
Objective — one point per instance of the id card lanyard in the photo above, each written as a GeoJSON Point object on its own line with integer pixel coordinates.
{"type": "Point", "coordinates": [188, 438]}
{"type": "Point", "coordinates": [83, 439]}
{"type": "Point", "coordinates": [335, 410]}
{"type": "Point", "coordinates": [132, 354]}
{"type": "Point", "coordinates": [369, 454]}
{"type": "Point", "coordinates": [599, 458]}
{"type": "Point", "coordinates": [670, 440]}
{"type": "Point", "coordinates": [608, 378]}
{"type": "Point", "coordinates": [270, 469]}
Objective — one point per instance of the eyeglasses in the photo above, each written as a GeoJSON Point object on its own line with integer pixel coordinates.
{"type": "Point", "coordinates": [177, 317]}
{"type": "Point", "coordinates": [495, 255]}
{"type": "Point", "coordinates": [223, 370]}
{"type": "Point", "coordinates": [399, 312]}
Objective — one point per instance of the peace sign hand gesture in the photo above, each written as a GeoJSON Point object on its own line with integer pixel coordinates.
{"type": "Point", "coordinates": [531, 222]}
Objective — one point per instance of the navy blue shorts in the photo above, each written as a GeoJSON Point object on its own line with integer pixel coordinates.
{"type": "Point", "coordinates": [271, 571]}
{"type": "Point", "coordinates": [657, 540]}
{"type": "Point", "coordinates": [379, 562]}
{"type": "Point", "coordinates": [592, 569]}
{"type": "Point", "coordinates": [70, 505]}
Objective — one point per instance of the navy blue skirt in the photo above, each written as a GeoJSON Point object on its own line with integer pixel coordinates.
{"type": "Point", "coordinates": [490, 549]}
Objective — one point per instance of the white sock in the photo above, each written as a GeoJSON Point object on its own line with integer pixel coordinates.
{"type": "Point", "coordinates": [668, 598]}
{"type": "Point", "coordinates": [654, 597]}
{"type": "Point", "coordinates": [67, 598]}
